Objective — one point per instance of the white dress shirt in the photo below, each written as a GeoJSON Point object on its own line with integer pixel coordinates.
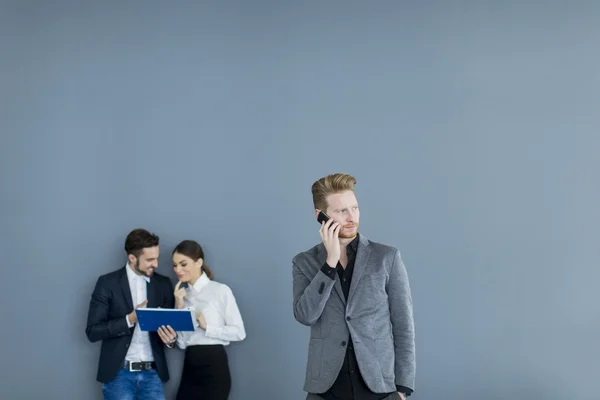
{"type": "Point", "coordinates": [223, 320]}
{"type": "Point", "coordinates": [139, 348]}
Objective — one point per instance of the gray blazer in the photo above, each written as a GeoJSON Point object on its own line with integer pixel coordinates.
{"type": "Point", "coordinates": [378, 314]}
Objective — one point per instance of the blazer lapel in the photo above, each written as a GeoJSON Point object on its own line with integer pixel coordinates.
{"type": "Point", "coordinates": [338, 288]}
{"type": "Point", "coordinates": [124, 283]}
{"type": "Point", "coordinates": [360, 263]}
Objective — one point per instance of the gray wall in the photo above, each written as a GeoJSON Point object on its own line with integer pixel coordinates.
{"type": "Point", "coordinates": [472, 128]}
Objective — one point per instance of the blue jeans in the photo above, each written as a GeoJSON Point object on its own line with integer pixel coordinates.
{"type": "Point", "coordinates": [127, 385]}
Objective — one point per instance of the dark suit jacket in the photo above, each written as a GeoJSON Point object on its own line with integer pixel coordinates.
{"type": "Point", "coordinates": [110, 303]}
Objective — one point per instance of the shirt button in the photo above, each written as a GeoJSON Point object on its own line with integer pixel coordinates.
{"type": "Point", "coordinates": [344, 343]}
{"type": "Point", "coordinates": [348, 318]}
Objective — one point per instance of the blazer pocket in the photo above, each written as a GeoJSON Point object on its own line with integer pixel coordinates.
{"type": "Point", "coordinates": [384, 348]}
{"type": "Point", "coordinates": [315, 351]}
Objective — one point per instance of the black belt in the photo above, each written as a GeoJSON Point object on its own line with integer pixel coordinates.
{"type": "Point", "coordinates": [139, 366]}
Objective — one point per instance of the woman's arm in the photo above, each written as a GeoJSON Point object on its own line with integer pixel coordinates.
{"type": "Point", "coordinates": [233, 330]}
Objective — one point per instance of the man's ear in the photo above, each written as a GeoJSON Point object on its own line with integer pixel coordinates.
{"type": "Point", "coordinates": [317, 211]}
{"type": "Point", "coordinates": [132, 259]}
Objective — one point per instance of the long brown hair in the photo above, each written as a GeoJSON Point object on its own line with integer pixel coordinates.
{"type": "Point", "coordinates": [193, 250]}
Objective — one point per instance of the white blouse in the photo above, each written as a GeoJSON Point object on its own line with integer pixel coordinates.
{"type": "Point", "coordinates": [223, 320]}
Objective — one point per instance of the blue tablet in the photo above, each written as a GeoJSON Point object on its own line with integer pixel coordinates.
{"type": "Point", "coordinates": [150, 319]}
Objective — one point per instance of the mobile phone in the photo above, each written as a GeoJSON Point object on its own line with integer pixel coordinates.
{"type": "Point", "coordinates": [322, 217]}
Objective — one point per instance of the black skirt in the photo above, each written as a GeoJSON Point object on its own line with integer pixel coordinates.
{"type": "Point", "coordinates": [205, 374]}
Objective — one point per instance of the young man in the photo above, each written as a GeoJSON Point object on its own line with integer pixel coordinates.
{"type": "Point", "coordinates": [132, 362]}
{"type": "Point", "coordinates": [355, 295]}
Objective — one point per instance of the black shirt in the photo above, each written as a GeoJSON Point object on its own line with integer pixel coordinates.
{"type": "Point", "coordinates": [350, 383]}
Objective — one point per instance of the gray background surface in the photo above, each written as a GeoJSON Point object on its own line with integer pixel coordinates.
{"type": "Point", "coordinates": [472, 128]}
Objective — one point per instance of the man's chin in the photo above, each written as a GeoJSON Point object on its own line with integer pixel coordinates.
{"type": "Point", "coordinates": [352, 235]}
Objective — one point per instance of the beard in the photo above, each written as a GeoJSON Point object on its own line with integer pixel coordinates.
{"type": "Point", "coordinates": [148, 272]}
{"type": "Point", "coordinates": [348, 234]}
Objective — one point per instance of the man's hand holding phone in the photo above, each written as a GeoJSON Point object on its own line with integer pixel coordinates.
{"type": "Point", "coordinates": [329, 235]}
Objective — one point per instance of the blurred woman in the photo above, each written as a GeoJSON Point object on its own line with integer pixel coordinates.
{"type": "Point", "coordinates": [205, 368]}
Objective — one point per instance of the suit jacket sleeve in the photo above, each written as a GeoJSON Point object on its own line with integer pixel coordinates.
{"type": "Point", "coordinates": [310, 296]}
{"type": "Point", "coordinates": [99, 326]}
{"type": "Point", "coordinates": [401, 310]}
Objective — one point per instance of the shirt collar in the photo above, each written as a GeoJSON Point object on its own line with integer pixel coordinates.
{"type": "Point", "coordinates": [354, 243]}
{"type": "Point", "coordinates": [201, 282]}
{"type": "Point", "coordinates": [133, 276]}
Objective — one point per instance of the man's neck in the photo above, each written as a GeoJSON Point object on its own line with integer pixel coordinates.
{"type": "Point", "coordinates": [344, 242]}
{"type": "Point", "coordinates": [133, 269]}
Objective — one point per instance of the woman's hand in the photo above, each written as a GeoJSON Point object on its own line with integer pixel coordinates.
{"type": "Point", "coordinates": [167, 335]}
{"type": "Point", "coordinates": [180, 296]}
